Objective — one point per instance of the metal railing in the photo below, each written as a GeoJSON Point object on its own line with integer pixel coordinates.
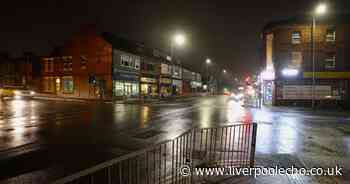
{"type": "Point", "coordinates": [228, 146]}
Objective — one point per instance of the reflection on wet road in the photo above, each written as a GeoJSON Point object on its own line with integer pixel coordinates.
{"type": "Point", "coordinates": [76, 135]}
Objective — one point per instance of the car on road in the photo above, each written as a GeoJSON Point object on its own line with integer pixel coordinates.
{"type": "Point", "coordinates": [237, 96]}
{"type": "Point", "coordinates": [16, 92]}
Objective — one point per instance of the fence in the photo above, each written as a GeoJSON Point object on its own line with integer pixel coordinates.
{"type": "Point", "coordinates": [159, 164]}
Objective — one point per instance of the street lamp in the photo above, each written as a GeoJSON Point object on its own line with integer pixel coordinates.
{"type": "Point", "coordinates": [179, 40]}
{"type": "Point", "coordinates": [208, 62]}
{"type": "Point", "coordinates": [224, 71]}
{"type": "Point", "coordinates": [319, 10]}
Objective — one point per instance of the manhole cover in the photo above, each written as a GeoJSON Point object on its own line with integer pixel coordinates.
{"type": "Point", "coordinates": [148, 134]}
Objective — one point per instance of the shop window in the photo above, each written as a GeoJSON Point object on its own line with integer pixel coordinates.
{"type": "Point", "coordinates": [296, 37]}
{"type": "Point", "coordinates": [68, 84]}
{"type": "Point", "coordinates": [118, 88]}
{"type": "Point", "coordinates": [331, 35]}
{"type": "Point", "coordinates": [48, 84]}
{"type": "Point", "coordinates": [330, 61]}
{"type": "Point", "coordinates": [122, 88]}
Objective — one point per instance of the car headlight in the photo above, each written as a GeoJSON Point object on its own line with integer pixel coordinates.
{"type": "Point", "coordinates": [17, 92]}
{"type": "Point", "coordinates": [32, 93]}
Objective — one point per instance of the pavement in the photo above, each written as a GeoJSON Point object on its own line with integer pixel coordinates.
{"type": "Point", "coordinates": [44, 96]}
{"type": "Point", "coordinates": [42, 140]}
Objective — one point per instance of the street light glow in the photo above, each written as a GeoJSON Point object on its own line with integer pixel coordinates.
{"type": "Point", "coordinates": [224, 71]}
{"type": "Point", "coordinates": [321, 9]}
{"type": "Point", "coordinates": [289, 72]}
{"type": "Point", "coordinates": [179, 39]}
{"type": "Point", "coordinates": [208, 61]}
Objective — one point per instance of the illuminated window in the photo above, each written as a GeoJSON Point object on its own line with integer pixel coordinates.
{"type": "Point", "coordinates": [130, 61]}
{"type": "Point", "coordinates": [296, 37]}
{"type": "Point", "coordinates": [296, 60]}
{"type": "Point", "coordinates": [68, 84]}
{"type": "Point", "coordinates": [330, 61]}
{"type": "Point", "coordinates": [118, 88]}
{"type": "Point", "coordinates": [331, 35]}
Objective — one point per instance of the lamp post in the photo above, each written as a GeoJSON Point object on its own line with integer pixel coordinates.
{"type": "Point", "coordinates": [319, 10]}
{"type": "Point", "coordinates": [178, 40]}
{"type": "Point", "coordinates": [208, 62]}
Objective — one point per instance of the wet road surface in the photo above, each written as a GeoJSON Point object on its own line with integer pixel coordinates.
{"type": "Point", "coordinates": [43, 140]}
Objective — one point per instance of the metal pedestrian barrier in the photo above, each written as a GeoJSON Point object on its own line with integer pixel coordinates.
{"type": "Point", "coordinates": [226, 146]}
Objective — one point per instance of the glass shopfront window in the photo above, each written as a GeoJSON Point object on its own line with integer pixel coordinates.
{"type": "Point", "coordinates": [68, 84]}
{"type": "Point", "coordinates": [125, 88]}
{"type": "Point", "coordinates": [48, 84]}
{"type": "Point", "coordinates": [149, 89]}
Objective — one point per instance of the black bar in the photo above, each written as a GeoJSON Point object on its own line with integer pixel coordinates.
{"type": "Point", "coordinates": [252, 151]}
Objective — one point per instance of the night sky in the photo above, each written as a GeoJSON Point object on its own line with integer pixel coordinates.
{"type": "Point", "coordinates": [226, 31]}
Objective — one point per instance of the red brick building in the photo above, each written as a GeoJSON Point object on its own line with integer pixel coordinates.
{"type": "Point", "coordinates": [287, 53]}
{"type": "Point", "coordinates": [82, 68]}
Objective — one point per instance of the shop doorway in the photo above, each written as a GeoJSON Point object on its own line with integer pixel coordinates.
{"type": "Point", "coordinates": [128, 89]}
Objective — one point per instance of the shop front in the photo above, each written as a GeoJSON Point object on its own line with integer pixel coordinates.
{"type": "Point", "coordinates": [165, 86]}
{"type": "Point", "coordinates": [196, 86]}
{"type": "Point", "coordinates": [125, 85]}
{"type": "Point", "coordinates": [149, 86]}
{"type": "Point", "coordinates": [177, 87]}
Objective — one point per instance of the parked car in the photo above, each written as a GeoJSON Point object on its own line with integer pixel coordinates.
{"type": "Point", "coordinates": [16, 92]}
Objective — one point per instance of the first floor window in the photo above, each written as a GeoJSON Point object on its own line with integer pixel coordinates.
{"type": "Point", "coordinates": [330, 61]}
{"type": "Point", "coordinates": [296, 37]}
{"type": "Point", "coordinates": [68, 84]}
{"type": "Point", "coordinates": [331, 35]}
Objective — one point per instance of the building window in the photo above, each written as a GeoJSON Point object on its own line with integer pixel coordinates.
{"type": "Point", "coordinates": [330, 61]}
{"type": "Point", "coordinates": [130, 61]}
{"type": "Point", "coordinates": [296, 60]}
{"type": "Point", "coordinates": [83, 62]}
{"type": "Point", "coordinates": [123, 88]}
{"type": "Point", "coordinates": [137, 64]}
{"type": "Point", "coordinates": [48, 66]}
{"type": "Point", "coordinates": [67, 63]}
{"type": "Point", "coordinates": [296, 37]}
{"type": "Point", "coordinates": [331, 35]}
{"type": "Point", "coordinates": [68, 84]}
